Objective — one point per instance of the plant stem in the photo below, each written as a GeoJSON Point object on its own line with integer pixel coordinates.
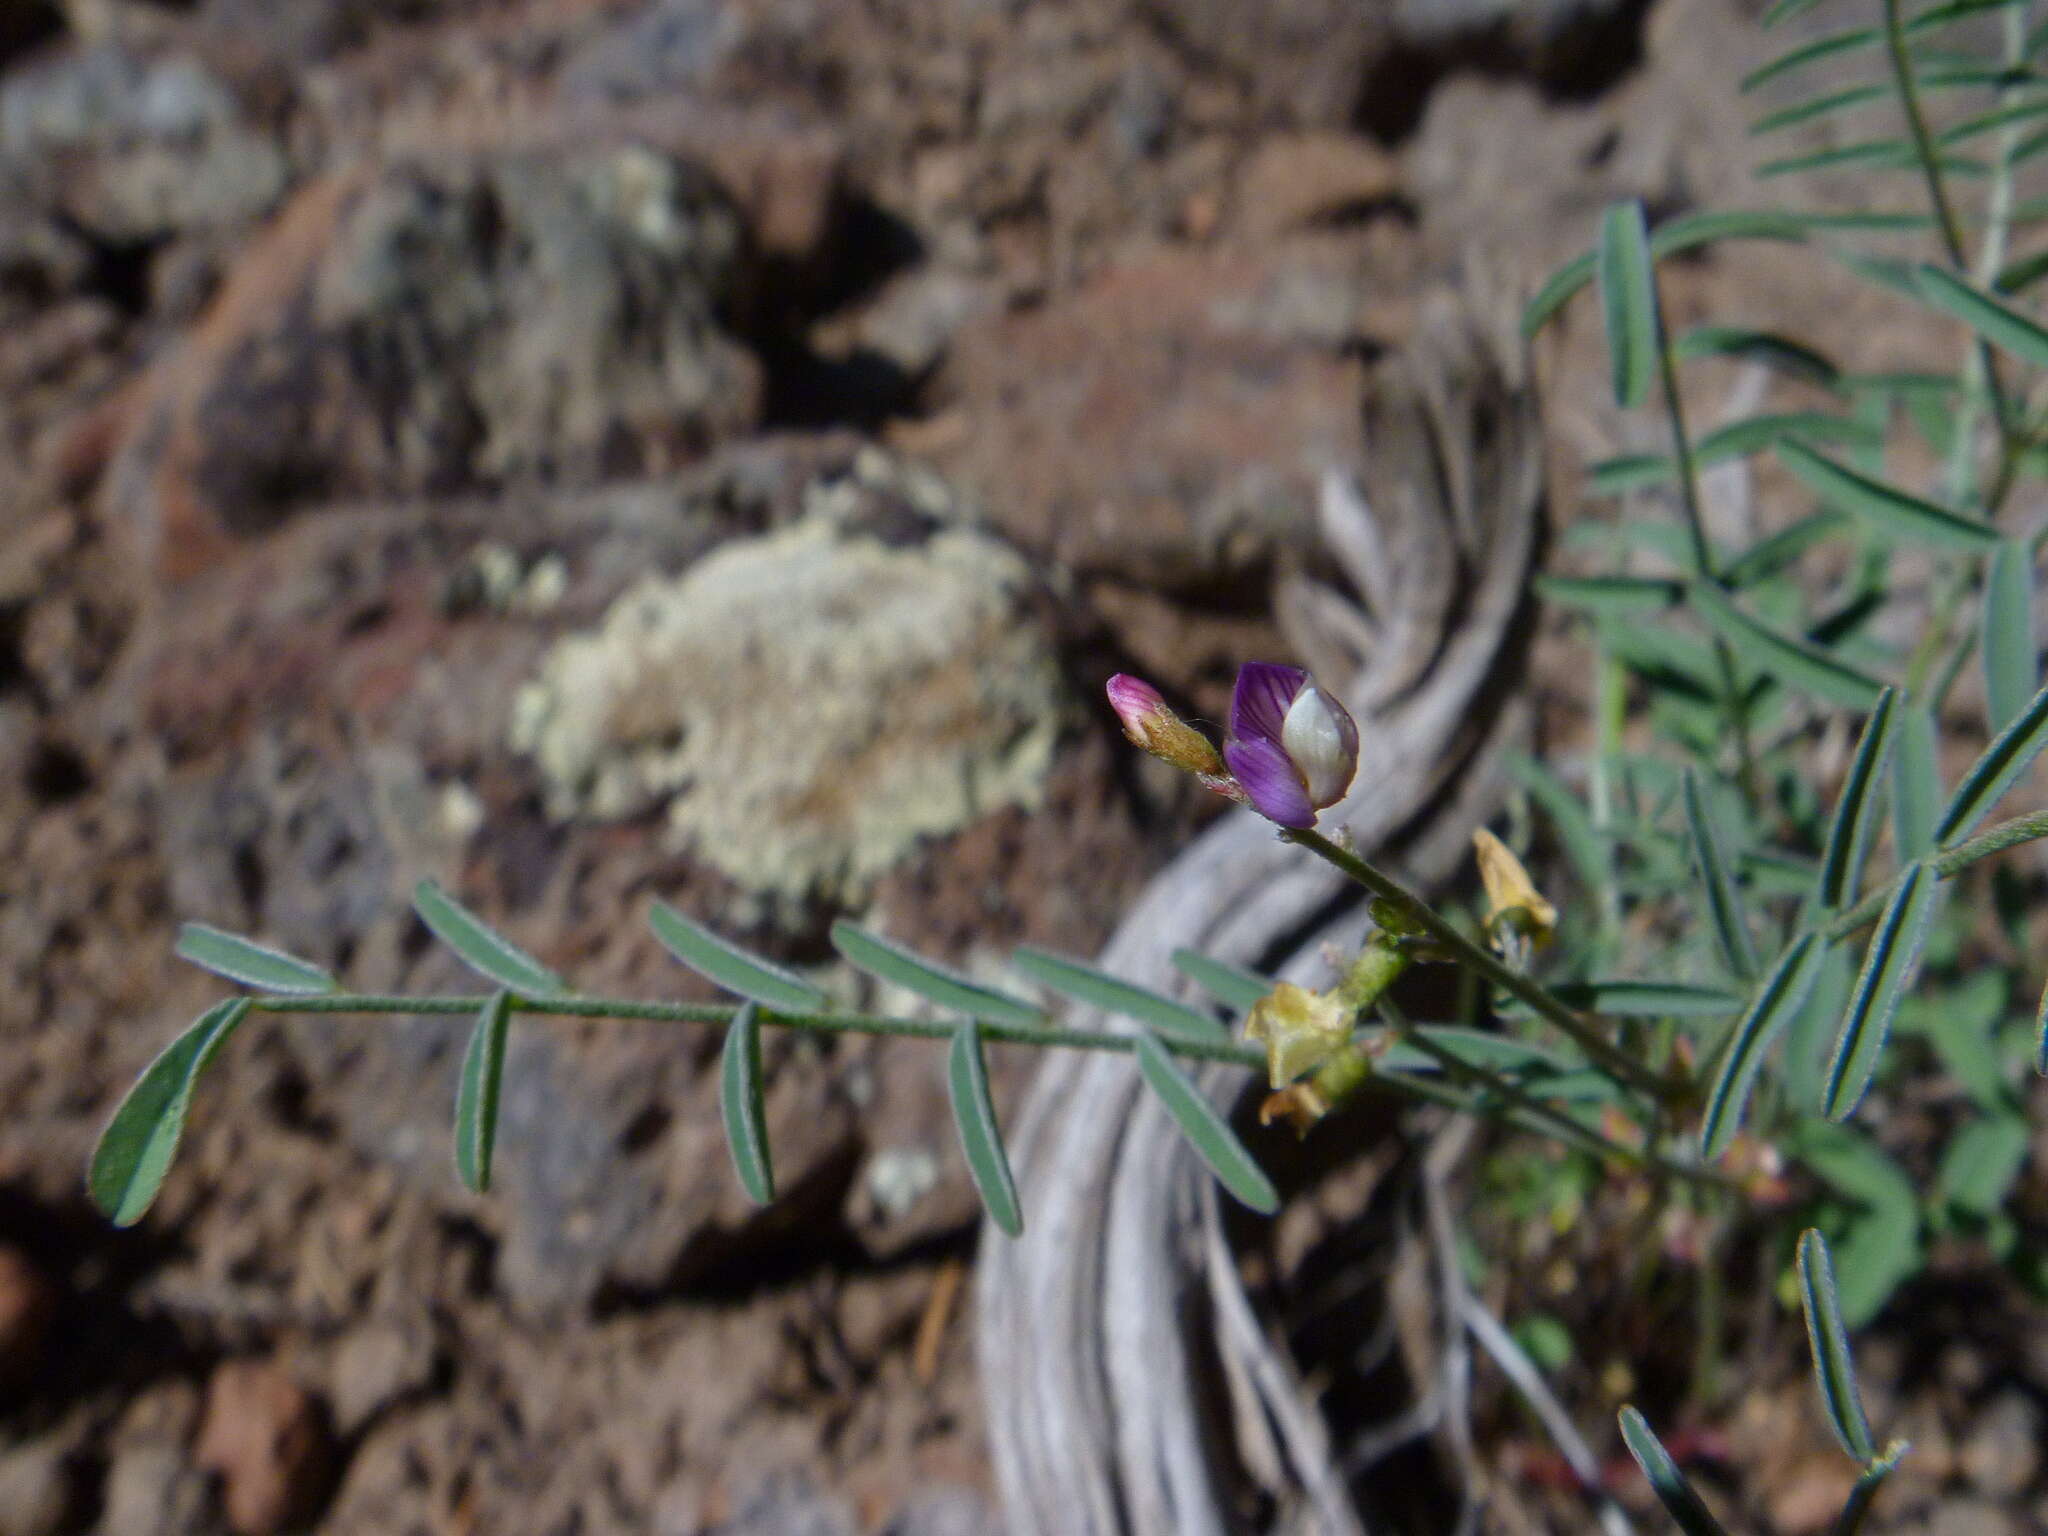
{"type": "Point", "coordinates": [1236, 1053]}
{"type": "Point", "coordinates": [1478, 958]}
{"type": "Point", "coordinates": [1949, 862]}
{"type": "Point", "coordinates": [1937, 192]}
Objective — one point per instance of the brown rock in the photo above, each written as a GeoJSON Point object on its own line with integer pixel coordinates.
{"type": "Point", "coordinates": [1153, 426]}
{"type": "Point", "coordinates": [581, 286]}
{"type": "Point", "coordinates": [267, 1439]}
{"type": "Point", "coordinates": [1294, 180]}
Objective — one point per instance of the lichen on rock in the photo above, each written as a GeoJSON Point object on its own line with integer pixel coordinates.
{"type": "Point", "coordinates": [808, 703]}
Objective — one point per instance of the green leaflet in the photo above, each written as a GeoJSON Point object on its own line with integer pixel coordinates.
{"type": "Point", "coordinates": [246, 961]}
{"type": "Point", "coordinates": [1668, 239]}
{"type": "Point", "coordinates": [2022, 273]}
{"type": "Point", "coordinates": [1810, 52]}
{"type": "Point", "coordinates": [1916, 783]}
{"type": "Point", "coordinates": [1890, 966]}
{"type": "Point", "coordinates": [1778, 655]}
{"type": "Point", "coordinates": [1777, 1001]}
{"type": "Point", "coordinates": [1755, 433]}
{"type": "Point", "coordinates": [477, 1092]}
{"type": "Point", "coordinates": [1834, 1370]}
{"type": "Point", "coordinates": [1768, 556]}
{"type": "Point", "coordinates": [891, 962]}
{"type": "Point", "coordinates": [1855, 819]}
{"type": "Point", "coordinates": [724, 963]}
{"type": "Point", "coordinates": [1890, 510]}
{"type": "Point", "coordinates": [495, 958]}
{"type": "Point", "coordinates": [1086, 984]}
{"type": "Point", "coordinates": [1818, 106]}
{"type": "Point", "coordinates": [1205, 1129]}
{"type": "Point", "coordinates": [2011, 753]}
{"type": "Point", "coordinates": [1231, 985]}
{"type": "Point", "coordinates": [1649, 999]}
{"type": "Point", "coordinates": [1610, 594]}
{"type": "Point", "coordinates": [2011, 668]}
{"type": "Point", "coordinates": [1793, 358]}
{"type": "Point", "coordinates": [1628, 301]}
{"type": "Point", "coordinates": [1717, 878]}
{"type": "Point", "coordinates": [135, 1150]}
{"type": "Point", "coordinates": [1666, 1481]}
{"type": "Point", "coordinates": [1981, 1163]}
{"type": "Point", "coordinates": [740, 1105]}
{"type": "Point", "coordinates": [1870, 154]}
{"type": "Point", "coordinates": [1629, 472]}
{"type": "Point", "coordinates": [980, 1137]}
{"type": "Point", "coordinates": [2000, 324]}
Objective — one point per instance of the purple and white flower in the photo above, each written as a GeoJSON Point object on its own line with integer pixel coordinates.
{"type": "Point", "coordinates": [1293, 748]}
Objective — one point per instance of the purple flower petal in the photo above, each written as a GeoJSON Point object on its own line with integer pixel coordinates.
{"type": "Point", "coordinates": [1258, 706]}
{"type": "Point", "coordinates": [1269, 781]}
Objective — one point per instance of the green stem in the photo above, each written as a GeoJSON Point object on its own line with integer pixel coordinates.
{"type": "Point", "coordinates": [1477, 958]}
{"type": "Point", "coordinates": [1236, 1053]}
{"type": "Point", "coordinates": [1688, 465]}
{"type": "Point", "coordinates": [1937, 191]}
{"type": "Point", "coordinates": [1950, 862]}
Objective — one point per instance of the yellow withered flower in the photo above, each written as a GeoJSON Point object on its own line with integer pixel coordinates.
{"type": "Point", "coordinates": [1513, 904]}
{"type": "Point", "coordinates": [1300, 1030]}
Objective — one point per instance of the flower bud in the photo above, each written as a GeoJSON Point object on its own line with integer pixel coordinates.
{"type": "Point", "coordinates": [1293, 748]}
{"type": "Point", "coordinates": [1151, 725]}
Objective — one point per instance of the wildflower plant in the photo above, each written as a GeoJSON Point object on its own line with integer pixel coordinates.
{"type": "Point", "coordinates": [1714, 991]}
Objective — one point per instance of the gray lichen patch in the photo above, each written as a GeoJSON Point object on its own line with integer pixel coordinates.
{"type": "Point", "coordinates": [809, 703]}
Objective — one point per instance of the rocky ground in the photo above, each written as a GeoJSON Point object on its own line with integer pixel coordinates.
{"type": "Point", "coordinates": [586, 451]}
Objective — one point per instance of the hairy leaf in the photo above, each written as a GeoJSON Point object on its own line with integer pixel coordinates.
{"type": "Point", "coordinates": [2000, 324]}
{"type": "Point", "coordinates": [1113, 995]}
{"type": "Point", "coordinates": [1792, 358]}
{"type": "Point", "coordinates": [1206, 1130]}
{"type": "Point", "coordinates": [1669, 239]}
{"type": "Point", "coordinates": [1611, 594]}
{"type": "Point", "coordinates": [135, 1150]}
{"type": "Point", "coordinates": [486, 952]}
{"type": "Point", "coordinates": [1649, 999]}
{"type": "Point", "coordinates": [1717, 878]}
{"type": "Point", "coordinates": [980, 1137]}
{"type": "Point", "coordinates": [477, 1092]}
{"type": "Point", "coordinates": [1855, 819]}
{"type": "Point", "coordinates": [1628, 301]}
{"type": "Point", "coordinates": [2011, 668]}
{"type": "Point", "coordinates": [1779, 655]}
{"type": "Point", "coordinates": [1834, 1369]}
{"type": "Point", "coordinates": [1890, 966]}
{"type": "Point", "coordinates": [1666, 1481]}
{"type": "Point", "coordinates": [740, 1105]}
{"type": "Point", "coordinates": [1891, 511]}
{"type": "Point", "coordinates": [723, 962]}
{"type": "Point", "coordinates": [1777, 1001]}
{"type": "Point", "coordinates": [2011, 753]}
{"type": "Point", "coordinates": [1916, 783]}
{"type": "Point", "coordinates": [893, 963]}
{"type": "Point", "coordinates": [252, 964]}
